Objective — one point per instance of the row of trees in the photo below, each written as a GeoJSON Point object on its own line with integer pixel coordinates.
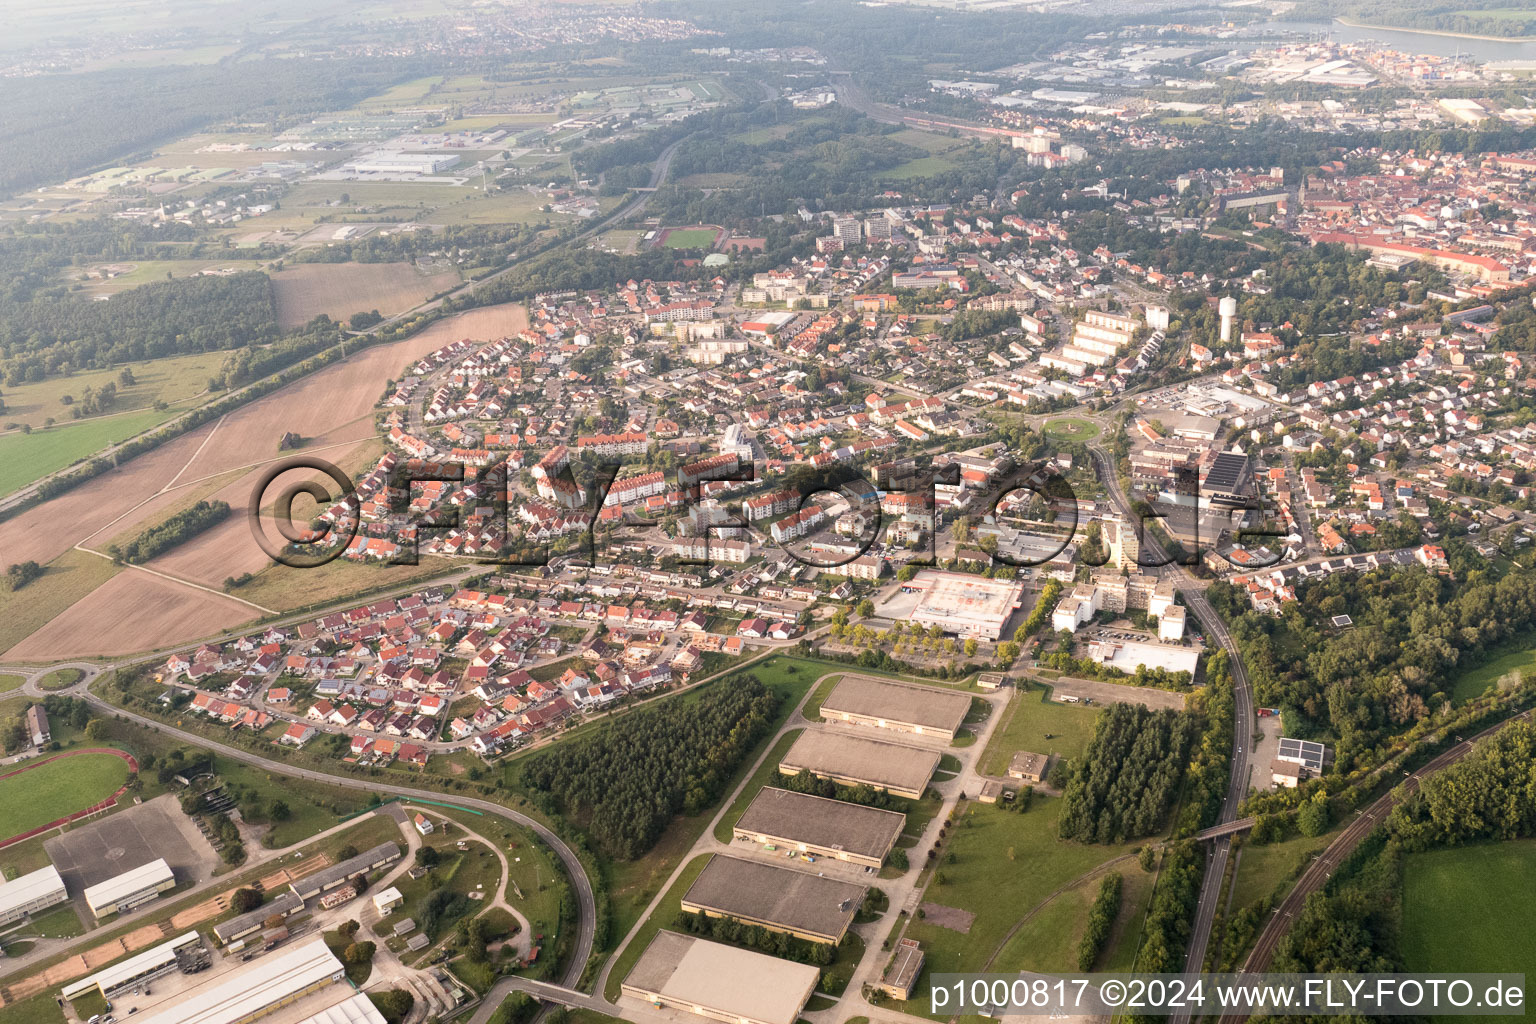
{"type": "Point", "coordinates": [178, 529]}
{"type": "Point", "coordinates": [864, 795]}
{"type": "Point", "coordinates": [626, 782]}
{"type": "Point", "coordinates": [1101, 918]}
{"type": "Point", "coordinates": [764, 940]}
{"type": "Point", "coordinates": [1127, 779]}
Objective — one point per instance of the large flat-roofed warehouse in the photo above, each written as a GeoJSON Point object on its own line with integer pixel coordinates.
{"type": "Point", "coordinates": [130, 889]}
{"type": "Point", "coordinates": [964, 605]}
{"type": "Point", "coordinates": [903, 707]}
{"type": "Point", "coordinates": [827, 828]}
{"type": "Point", "coordinates": [720, 982]}
{"type": "Point", "coordinates": [139, 968]}
{"type": "Point", "coordinates": [256, 989]}
{"type": "Point", "coordinates": [329, 878]}
{"type": "Point", "coordinates": [806, 906]}
{"type": "Point", "coordinates": [30, 893]}
{"type": "Point", "coordinates": [853, 760]}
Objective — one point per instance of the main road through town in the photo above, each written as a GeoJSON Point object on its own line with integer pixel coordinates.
{"type": "Point", "coordinates": [1242, 725]}
{"type": "Point", "coordinates": [586, 906]}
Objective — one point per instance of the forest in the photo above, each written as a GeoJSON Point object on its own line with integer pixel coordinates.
{"type": "Point", "coordinates": [1501, 18]}
{"type": "Point", "coordinates": [1414, 632]}
{"type": "Point", "coordinates": [178, 529]}
{"type": "Point", "coordinates": [1125, 783]}
{"type": "Point", "coordinates": [625, 783]}
{"type": "Point", "coordinates": [59, 333]}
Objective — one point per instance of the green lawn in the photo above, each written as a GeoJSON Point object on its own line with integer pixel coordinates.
{"type": "Point", "coordinates": [1470, 908]}
{"type": "Point", "coordinates": [666, 912]}
{"type": "Point", "coordinates": [1027, 720]}
{"type": "Point", "coordinates": [766, 773]}
{"type": "Point", "coordinates": [1262, 868]}
{"type": "Point", "coordinates": [10, 682]}
{"type": "Point", "coordinates": [59, 678]}
{"type": "Point", "coordinates": [49, 791]}
{"type": "Point", "coordinates": [1472, 683]}
{"type": "Point", "coordinates": [28, 457]}
{"type": "Point", "coordinates": [692, 238]}
{"type": "Point", "coordinates": [1071, 428]}
{"type": "Point", "coordinates": [1001, 890]}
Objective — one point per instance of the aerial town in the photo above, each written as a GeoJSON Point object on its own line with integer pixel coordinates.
{"type": "Point", "coordinates": [670, 512]}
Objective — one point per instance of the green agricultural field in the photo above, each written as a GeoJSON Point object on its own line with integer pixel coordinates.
{"type": "Point", "coordinates": [1071, 428]}
{"type": "Point", "coordinates": [1028, 720]}
{"type": "Point", "coordinates": [28, 457]}
{"type": "Point", "coordinates": [49, 791]}
{"type": "Point", "coordinates": [691, 238]}
{"type": "Point", "coordinates": [1469, 908]}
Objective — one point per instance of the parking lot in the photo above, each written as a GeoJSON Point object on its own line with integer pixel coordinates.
{"type": "Point", "coordinates": [127, 839]}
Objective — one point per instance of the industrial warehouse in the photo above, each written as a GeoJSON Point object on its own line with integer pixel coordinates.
{"type": "Point", "coordinates": [130, 889]}
{"type": "Point", "coordinates": [901, 707]}
{"type": "Point", "coordinates": [798, 903]}
{"type": "Point", "coordinates": [956, 603]}
{"type": "Point", "coordinates": [30, 893]}
{"type": "Point", "coordinates": [256, 989]}
{"type": "Point", "coordinates": [828, 828]}
{"type": "Point", "coordinates": [852, 760]}
{"type": "Point", "coordinates": [141, 967]}
{"type": "Point", "coordinates": [720, 982]}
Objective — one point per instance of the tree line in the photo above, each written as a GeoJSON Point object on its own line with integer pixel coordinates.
{"type": "Point", "coordinates": [179, 528]}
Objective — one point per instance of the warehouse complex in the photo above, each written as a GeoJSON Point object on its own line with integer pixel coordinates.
{"type": "Point", "coordinates": [799, 903]}
{"type": "Point", "coordinates": [724, 983]}
{"type": "Point", "coordinates": [902, 707]}
{"type": "Point", "coordinates": [30, 893]}
{"type": "Point", "coordinates": [257, 989]}
{"type": "Point", "coordinates": [853, 760]}
{"type": "Point", "coordinates": [130, 889]}
{"type": "Point", "coordinates": [815, 825]}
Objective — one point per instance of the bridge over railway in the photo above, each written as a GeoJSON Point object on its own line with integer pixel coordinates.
{"type": "Point", "coordinates": [1226, 828]}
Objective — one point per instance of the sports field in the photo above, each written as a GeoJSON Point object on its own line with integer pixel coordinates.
{"type": "Point", "coordinates": [691, 238]}
{"type": "Point", "coordinates": [36, 796]}
{"type": "Point", "coordinates": [1469, 908]}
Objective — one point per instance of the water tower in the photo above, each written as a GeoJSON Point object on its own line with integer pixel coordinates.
{"type": "Point", "coordinates": [1227, 307]}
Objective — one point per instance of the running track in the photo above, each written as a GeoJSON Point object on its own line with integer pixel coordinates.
{"type": "Point", "coordinates": [111, 801]}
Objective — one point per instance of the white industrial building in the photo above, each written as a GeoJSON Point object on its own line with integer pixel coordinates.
{"type": "Point", "coordinates": [257, 989]}
{"type": "Point", "coordinates": [387, 162]}
{"type": "Point", "coordinates": [130, 889]}
{"type": "Point", "coordinates": [27, 894]}
{"type": "Point", "coordinates": [137, 969]}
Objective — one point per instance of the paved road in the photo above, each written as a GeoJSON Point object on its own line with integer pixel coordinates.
{"type": "Point", "coordinates": [1242, 727]}
{"type": "Point", "coordinates": [586, 905]}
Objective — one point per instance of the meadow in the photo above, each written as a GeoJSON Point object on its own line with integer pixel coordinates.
{"type": "Point", "coordinates": [1469, 908]}
{"type": "Point", "coordinates": [1029, 719]}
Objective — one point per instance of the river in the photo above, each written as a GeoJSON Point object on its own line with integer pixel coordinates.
{"type": "Point", "coordinates": [1409, 42]}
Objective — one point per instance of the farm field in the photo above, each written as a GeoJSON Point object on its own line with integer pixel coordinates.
{"type": "Point", "coordinates": [1027, 720]}
{"type": "Point", "coordinates": [41, 794]}
{"type": "Point", "coordinates": [340, 289]}
{"type": "Point", "coordinates": [65, 580]}
{"type": "Point", "coordinates": [25, 458]}
{"type": "Point", "coordinates": [134, 611]}
{"type": "Point", "coordinates": [332, 409]}
{"type": "Point", "coordinates": [172, 380]}
{"type": "Point", "coordinates": [1469, 908]}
